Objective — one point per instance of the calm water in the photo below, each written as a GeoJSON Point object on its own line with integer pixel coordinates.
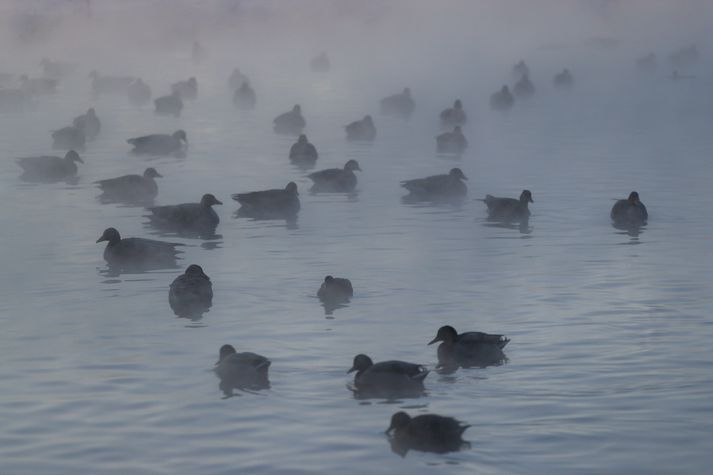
{"type": "Point", "coordinates": [610, 367]}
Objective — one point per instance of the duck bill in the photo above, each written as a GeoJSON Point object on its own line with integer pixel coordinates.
{"type": "Point", "coordinates": [101, 239]}
{"type": "Point", "coordinates": [434, 341]}
{"type": "Point", "coordinates": [389, 430]}
{"type": "Point", "coordinates": [351, 370]}
{"type": "Point", "coordinates": [218, 202]}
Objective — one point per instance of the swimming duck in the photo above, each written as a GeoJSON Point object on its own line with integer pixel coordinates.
{"type": "Point", "coordinates": [336, 180]}
{"type": "Point", "coordinates": [270, 203]}
{"type": "Point", "coordinates": [191, 293]}
{"type": "Point", "coordinates": [244, 97]}
{"type": "Point", "coordinates": [49, 169]}
{"type": "Point", "coordinates": [361, 129]}
{"type": "Point", "coordinates": [241, 370]}
{"type": "Point", "coordinates": [302, 151]}
{"type": "Point", "coordinates": [187, 89]}
{"type": "Point", "coordinates": [502, 100]}
{"type": "Point", "coordinates": [564, 80]}
{"type": "Point", "coordinates": [290, 122]}
{"type": "Point", "coordinates": [468, 349]}
{"type": "Point", "coordinates": [68, 138]}
{"type": "Point", "coordinates": [335, 289]}
{"type": "Point", "coordinates": [187, 216]}
{"type": "Point", "coordinates": [320, 64]}
{"type": "Point", "coordinates": [452, 142]}
{"type": "Point", "coordinates": [169, 105]}
{"type": "Point", "coordinates": [138, 92]}
{"type": "Point", "coordinates": [398, 104]}
{"type": "Point", "coordinates": [509, 209]}
{"type": "Point", "coordinates": [109, 84]}
{"type": "Point", "coordinates": [438, 187]}
{"type": "Point", "coordinates": [454, 115]}
{"type": "Point", "coordinates": [130, 188]}
{"type": "Point", "coordinates": [519, 70]}
{"type": "Point", "coordinates": [137, 252]}
{"type": "Point", "coordinates": [236, 79]}
{"type": "Point", "coordinates": [524, 87]}
{"type": "Point", "coordinates": [37, 86]}
{"type": "Point", "coordinates": [388, 379]}
{"type": "Point", "coordinates": [88, 123]}
{"type": "Point", "coordinates": [159, 144]}
{"type": "Point", "coordinates": [630, 212]}
{"type": "Point", "coordinates": [426, 433]}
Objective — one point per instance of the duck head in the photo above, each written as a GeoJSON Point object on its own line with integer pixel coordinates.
{"type": "Point", "coordinates": [297, 109]}
{"type": "Point", "coordinates": [225, 351]}
{"type": "Point", "coordinates": [361, 363]}
{"type": "Point", "coordinates": [352, 165]}
{"type": "Point", "coordinates": [180, 135]}
{"type": "Point", "coordinates": [195, 269]}
{"type": "Point", "coordinates": [152, 173]}
{"type": "Point", "coordinates": [446, 334]}
{"type": "Point", "coordinates": [302, 138]}
{"type": "Point", "coordinates": [91, 112]}
{"type": "Point", "coordinates": [457, 174]}
{"type": "Point", "coordinates": [457, 104]}
{"type": "Point", "coordinates": [73, 156]}
{"type": "Point", "coordinates": [292, 187]}
{"type": "Point", "coordinates": [210, 200]}
{"type": "Point", "coordinates": [526, 197]}
{"type": "Point", "coordinates": [634, 198]}
{"type": "Point", "coordinates": [111, 235]}
{"type": "Point", "coordinates": [398, 421]}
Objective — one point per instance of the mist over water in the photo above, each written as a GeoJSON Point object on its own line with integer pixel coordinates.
{"type": "Point", "coordinates": [609, 365]}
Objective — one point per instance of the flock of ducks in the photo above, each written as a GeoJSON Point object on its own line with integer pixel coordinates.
{"type": "Point", "coordinates": [191, 292]}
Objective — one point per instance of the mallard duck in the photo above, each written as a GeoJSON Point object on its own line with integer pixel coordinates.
{"type": "Point", "coordinates": [398, 104]}
{"type": "Point", "coordinates": [88, 123]}
{"type": "Point", "coordinates": [387, 378]}
{"type": "Point", "coordinates": [426, 433]}
{"type": "Point", "coordinates": [191, 293]}
{"type": "Point", "coordinates": [241, 370]}
{"type": "Point", "coordinates": [270, 203]}
{"type": "Point", "coordinates": [130, 188]}
{"type": "Point", "coordinates": [509, 209]}
{"type": "Point", "coordinates": [630, 212]}
{"type": "Point", "coordinates": [187, 216]}
{"type": "Point", "coordinates": [438, 187]}
{"type": "Point", "coordinates": [187, 89]}
{"type": "Point", "coordinates": [290, 122]}
{"type": "Point", "coordinates": [137, 252]}
{"type": "Point", "coordinates": [302, 151]}
{"type": "Point", "coordinates": [159, 144]}
{"type": "Point", "coordinates": [502, 100]}
{"type": "Point", "coordinates": [336, 180]}
{"type": "Point", "coordinates": [335, 289]}
{"type": "Point", "coordinates": [454, 115]}
{"type": "Point", "coordinates": [468, 349]}
{"type": "Point", "coordinates": [452, 142]}
{"type": "Point", "coordinates": [524, 87]}
{"type": "Point", "coordinates": [169, 105]}
{"type": "Point", "coordinates": [49, 168]}
{"type": "Point", "coordinates": [361, 129]}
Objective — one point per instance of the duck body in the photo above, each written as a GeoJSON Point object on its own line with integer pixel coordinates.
{"type": "Point", "coordinates": [187, 89]}
{"type": "Point", "coordinates": [244, 97]}
{"type": "Point", "coordinates": [387, 378]}
{"type": "Point", "coordinates": [276, 203]}
{"type": "Point", "coordinates": [454, 116]}
{"type": "Point", "coordinates": [438, 187]}
{"type": "Point", "coordinates": [89, 124]}
{"type": "Point", "coordinates": [363, 129]}
{"type": "Point", "coordinates": [302, 151]}
{"type": "Point", "coordinates": [169, 105]}
{"type": "Point", "coordinates": [137, 252]}
{"type": "Point", "coordinates": [187, 216]}
{"type": "Point", "coordinates": [630, 212]}
{"type": "Point", "coordinates": [502, 100]}
{"type": "Point", "coordinates": [68, 138]}
{"type": "Point", "coordinates": [398, 104]}
{"type": "Point", "coordinates": [49, 168]}
{"type": "Point", "coordinates": [242, 370]}
{"type": "Point", "coordinates": [509, 209]}
{"type": "Point", "coordinates": [564, 80]}
{"type": "Point", "coordinates": [452, 142]}
{"type": "Point", "coordinates": [469, 349]}
{"type": "Point", "coordinates": [524, 87]}
{"type": "Point", "coordinates": [426, 433]}
{"type": "Point", "coordinates": [290, 122]}
{"type": "Point", "coordinates": [159, 144]}
{"type": "Point", "coordinates": [191, 292]}
{"type": "Point", "coordinates": [130, 188]}
{"type": "Point", "coordinates": [336, 180]}
{"type": "Point", "coordinates": [335, 289]}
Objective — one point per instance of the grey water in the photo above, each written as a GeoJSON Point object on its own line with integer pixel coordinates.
{"type": "Point", "coordinates": [609, 370]}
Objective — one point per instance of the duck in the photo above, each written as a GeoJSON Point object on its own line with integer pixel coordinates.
{"type": "Point", "coordinates": [363, 129]}
{"type": "Point", "coordinates": [520, 69]}
{"type": "Point", "coordinates": [138, 92]}
{"type": "Point", "coordinates": [236, 80]}
{"type": "Point", "coordinates": [630, 212]}
{"type": "Point", "coordinates": [191, 293]}
{"type": "Point", "coordinates": [109, 84]}
{"type": "Point", "coordinates": [468, 349]}
{"type": "Point", "coordinates": [398, 104]}
{"type": "Point", "coordinates": [524, 87]}
{"type": "Point", "coordinates": [509, 209]}
{"type": "Point", "coordinates": [438, 187]}
{"type": "Point", "coordinates": [388, 379]}
{"type": "Point", "coordinates": [290, 122]}
{"type": "Point", "coordinates": [68, 138]}
{"type": "Point", "coordinates": [454, 115]}
{"type": "Point", "coordinates": [130, 188]}
{"type": "Point", "coordinates": [270, 203]}
{"type": "Point", "coordinates": [187, 216]}
{"type": "Point", "coordinates": [187, 89]}
{"type": "Point", "coordinates": [502, 100]}
{"type": "Point", "coordinates": [563, 80]}
{"type": "Point", "coordinates": [49, 168]}
{"type": "Point", "coordinates": [426, 433]}
{"type": "Point", "coordinates": [244, 97]}
{"type": "Point", "coordinates": [88, 123]}
{"type": "Point", "coordinates": [241, 370]}
{"type": "Point", "coordinates": [302, 151]}
{"type": "Point", "coordinates": [169, 105]}
{"type": "Point", "coordinates": [336, 180]}
{"type": "Point", "coordinates": [452, 142]}
{"type": "Point", "coordinates": [136, 252]}
{"type": "Point", "coordinates": [159, 144]}
{"type": "Point", "coordinates": [320, 64]}
{"type": "Point", "coordinates": [38, 86]}
{"type": "Point", "coordinates": [335, 289]}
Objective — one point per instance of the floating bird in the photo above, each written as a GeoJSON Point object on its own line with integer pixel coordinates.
{"type": "Point", "coordinates": [398, 104]}
{"type": "Point", "coordinates": [290, 122]}
{"type": "Point", "coordinates": [426, 433]}
{"type": "Point", "coordinates": [630, 212]}
{"type": "Point", "coordinates": [138, 92]}
{"type": "Point", "coordinates": [191, 293]}
{"type": "Point", "coordinates": [502, 100]}
{"type": "Point", "coordinates": [199, 217]}
{"type": "Point", "coordinates": [509, 209]}
{"type": "Point", "coordinates": [303, 152]}
{"type": "Point", "coordinates": [335, 289]}
{"type": "Point", "coordinates": [452, 142]}
{"type": "Point", "coordinates": [68, 138]}
{"type": "Point", "coordinates": [438, 187]}
{"type": "Point", "coordinates": [138, 253]}
{"type": "Point", "coordinates": [236, 80]}
{"type": "Point", "coordinates": [130, 188]}
{"type": "Point", "coordinates": [320, 64]}
{"type": "Point", "coordinates": [336, 180]}
{"type": "Point", "coordinates": [389, 379]}
{"type": "Point", "coordinates": [469, 349]}
{"type": "Point", "coordinates": [89, 124]}
{"type": "Point", "coordinates": [159, 144]}
{"type": "Point", "coordinates": [564, 80]}
{"type": "Point", "coordinates": [49, 169]}
{"type": "Point", "coordinates": [524, 87]}
{"type": "Point", "coordinates": [361, 129]}
{"type": "Point", "coordinates": [109, 84]}
{"type": "Point", "coordinates": [169, 105]}
{"type": "Point", "coordinates": [187, 89]}
{"type": "Point", "coordinates": [241, 370]}
{"type": "Point", "coordinates": [267, 204]}
{"type": "Point", "coordinates": [454, 115]}
{"type": "Point", "coordinates": [519, 70]}
{"type": "Point", "coordinates": [244, 97]}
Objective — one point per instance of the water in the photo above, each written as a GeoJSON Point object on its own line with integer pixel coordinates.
{"type": "Point", "coordinates": [609, 366]}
